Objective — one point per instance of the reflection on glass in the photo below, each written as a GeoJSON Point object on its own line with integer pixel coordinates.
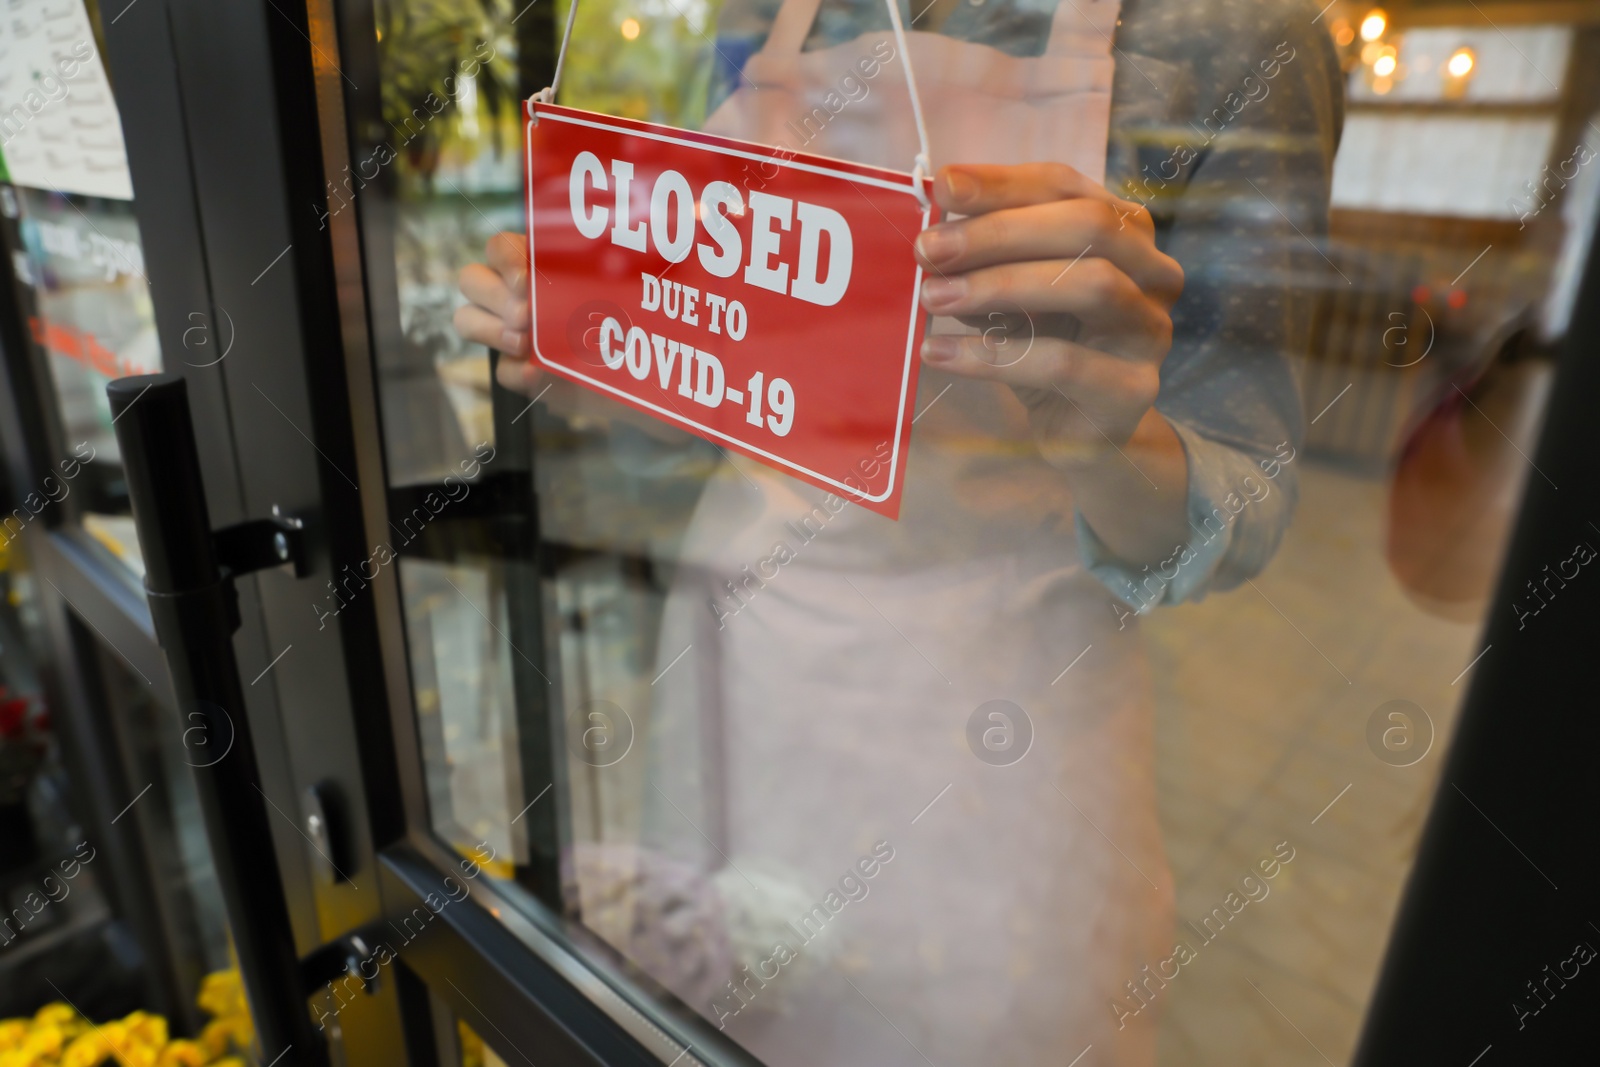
{"type": "Point", "coordinates": [650, 60]}
{"type": "Point", "coordinates": [1006, 778]}
{"type": "Point", "coordinates": [93, 314]}
{"type": "Point", "coordinates": [161, 754]}
{"type": "Point", "coordinates": [57, 924]}
{"type": "Point", "coordinates": [465, 704]}
{"type": "Point", "coordinates": [451, 159]}
{"type": "Point", "coordinates": [53, 905]}
{"type": "Point", "coordinates": [74, 245]}
{"type": "Point", "coordinates": [93, 317]}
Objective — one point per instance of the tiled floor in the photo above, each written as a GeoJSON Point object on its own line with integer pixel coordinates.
{"type": "Point", "coordinates": [1263, 699]}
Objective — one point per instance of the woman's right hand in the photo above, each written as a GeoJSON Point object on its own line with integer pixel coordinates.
{"type": "Point", "coordinates": [497, 310]}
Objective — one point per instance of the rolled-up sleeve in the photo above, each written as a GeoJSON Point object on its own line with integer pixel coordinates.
{"type": "Point", "coordinates": [1240, 199]}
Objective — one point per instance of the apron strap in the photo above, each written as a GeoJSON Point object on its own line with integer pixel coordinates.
{"type": "Point", "coordinates": [1083, 28]}
{"type": "Point", "coordinates": [788, 35]}
{"type": "Point", "coordinates": [792, 26]}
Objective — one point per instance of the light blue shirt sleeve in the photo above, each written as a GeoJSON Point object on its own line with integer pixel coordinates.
{"type": "Point", "coordinates": [1238, 507]}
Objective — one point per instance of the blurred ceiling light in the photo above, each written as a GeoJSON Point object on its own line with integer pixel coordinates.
{"type": "Point", "coordinates": [1384, 66]}
{"type": "Point", "coordinates": [1370, 52]}
{"type": "Point", "coordinates": [1342, 33]}
{"type": "Point", "coordinates": [1381, 86]}
{"type": "Point", "coordinates": [1374, 24]}
{"type": "Point", "coordinates": [1461, 62]}
{"type": "Point", "coordinates": [630, 28]}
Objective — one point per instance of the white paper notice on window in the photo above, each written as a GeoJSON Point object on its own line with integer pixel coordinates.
{"type": "Point", "coordinates": [59, 126]}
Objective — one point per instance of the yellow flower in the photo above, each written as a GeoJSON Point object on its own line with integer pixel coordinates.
{"type": "Point", "coordinates": [115, 1035]}
{"type": "Point", "coordinates": [56, 1013]}
{"type": "Point", "coordinates": [44, 1041]}
{"type": "Point", "coordinates": [132, 1054]}
{"type": "Point", "coordinates": [87, 1050]}
{"type": "Point", "coordinates": [180, 1053]}
{"type": "Point", "coordinates": [147, 1029]}
{"type": "Point", "coordinates": [57, 1036]}
{"type": "Point", "coordinates": [221, 993]}
{"type": "Point", "coordinates": [214, 1039]}
{"type": "Point", "coordinates": [12, 1032]}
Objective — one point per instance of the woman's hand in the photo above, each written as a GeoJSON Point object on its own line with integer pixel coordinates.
{"type": "Point", "coordinates": [498, 313]}
{"type": "Point", "coordinates": [1074, 300]}
{"type": "Point", "coordinates": [1049, 264]}
{"type": "Point", "coordinates": [499, 316]}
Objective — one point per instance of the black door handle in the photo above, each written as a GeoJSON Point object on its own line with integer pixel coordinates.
{"type": "Point", "coordinates": [189, 575]}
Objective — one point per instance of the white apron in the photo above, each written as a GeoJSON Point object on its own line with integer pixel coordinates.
{"type": "Point", "coordinates": [825, 713]}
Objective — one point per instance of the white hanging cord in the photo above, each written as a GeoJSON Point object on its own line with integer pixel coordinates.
{"type": "Point", "coordinates": [919, 172]}
{"type": "Point", "coordinates": [923, 167]}
{"type": "Point", "coordinates": [547, 95]}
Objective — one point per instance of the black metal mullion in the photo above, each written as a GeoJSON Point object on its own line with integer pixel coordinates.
{"type": "Point", "coordinates": [516, 1001]}
{"type": "Point", "coordinates": [540, 729]}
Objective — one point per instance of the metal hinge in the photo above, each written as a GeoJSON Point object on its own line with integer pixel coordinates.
{"type": "Point", "coordinates": [257, 544]}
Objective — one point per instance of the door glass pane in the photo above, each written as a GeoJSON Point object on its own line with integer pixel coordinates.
{"type": "Point", "coordinates": [445, 176]}
{"type": "Point", "coordinates": [214, 1021]}
{"type": "Point", "coordinates": [55, 917]}
{"type": "Point", "coordinates": [1122, 735]}
{"type": "Point", "coordinates": [91, 973]}
{"type": "Point", "coordinates": [75, 251]}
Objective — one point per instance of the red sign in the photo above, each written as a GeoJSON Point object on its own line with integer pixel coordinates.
{"type": "Point", "coordinates": [762, 299]}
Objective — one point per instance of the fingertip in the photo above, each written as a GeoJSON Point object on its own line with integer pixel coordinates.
{"type": "Point", "coordinates": [940, 349]}
{"type": "Point", "coordinates": [507, 251]}
{"type": "Point", "coordinates": [518, 375]}
{"type": "Point", "coordinates": [955, 187]}
{"type": "Point", "coordinates": [941, 244]}
{"type": "Point", "coordinates": [513, 343]}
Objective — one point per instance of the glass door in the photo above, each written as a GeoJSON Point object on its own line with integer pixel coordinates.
{"type": "Point", "coordinates": [1118, 745]}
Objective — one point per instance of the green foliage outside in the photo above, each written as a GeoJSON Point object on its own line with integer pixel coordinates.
{"type": "Point", "coordinates": [449, 81]}
{"type": "Point", "coordinates": [659, 76]}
